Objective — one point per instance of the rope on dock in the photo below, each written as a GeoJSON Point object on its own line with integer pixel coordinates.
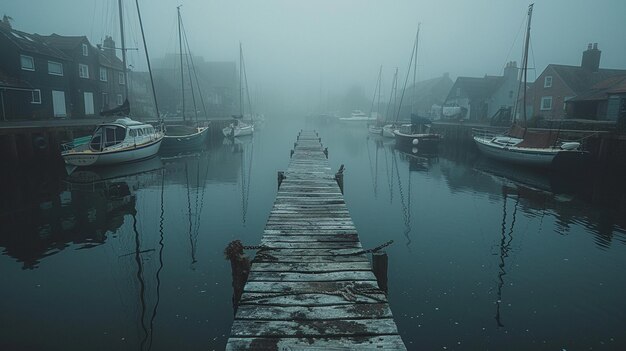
{"type": "Point", "coordinates": [377, 248]}
{"type": "Point", "coordinates": [349, 292]}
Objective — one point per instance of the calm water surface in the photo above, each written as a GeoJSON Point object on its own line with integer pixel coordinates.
{"type": "Point", "coordinates": [485, 257]}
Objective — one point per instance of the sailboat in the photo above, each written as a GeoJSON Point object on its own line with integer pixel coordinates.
{"type": "Point", "coordinates": [185, 137]}
{"type": "Point", "coordinates": [389, 128]}
{"type": "Point", "coordinates": [376, 128]}
{"type": "Point", "coordinates": [124, 140]}
{"type": "Point", "coordinates": [238, 127]}
{"type": "Point", "coordinates": [520, 145]}
{"type": "Point", "coordinates": [417, 133]}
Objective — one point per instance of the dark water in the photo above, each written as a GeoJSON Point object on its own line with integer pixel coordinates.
{"type": "Point", "coordinates": [485, 257]}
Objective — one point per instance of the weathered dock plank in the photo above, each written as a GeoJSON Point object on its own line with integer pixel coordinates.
{"type": "Point", "coordinates": [311, 285]}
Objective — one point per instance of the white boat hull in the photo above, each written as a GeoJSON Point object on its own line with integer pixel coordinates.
{"type": "Point", "coordinates": [535, 157]}
{"type": "Point", "coordinates": [375, 130]}
{"type": "Point", "coordinates": [95, 158]}
{"type": "Point", "coordinates": [357, 119]}
{"type": "Point", "coordinates": [230, 132]}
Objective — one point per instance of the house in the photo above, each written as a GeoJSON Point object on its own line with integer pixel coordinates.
{"type": "Point", "coordinates": [34, 80]}
{"type": "Point", "coordinates": [421, 97]}
{"type": "Point", "coordinates": [558, 84]}
{"type": "Point", "coordinates": [604, 101]}
{"type": "Point", "coordinates": [96, 75]}
{"type": "Point", "coordinates": [483, 98]}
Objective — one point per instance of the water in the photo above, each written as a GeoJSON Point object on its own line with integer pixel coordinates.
{"type": "Point", "coordinates": [484, 257]}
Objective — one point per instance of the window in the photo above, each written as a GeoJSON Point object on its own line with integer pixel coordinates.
{"type": "Point", "coordinates": [83, 70]}
{"type": "Point", "coordinates": [119, 100]}
{"type": "Point", "coordinates": [103, 74]}
{"type": "Point", "coordinates": [105, 100]}
{"type": "Point", "coordinates": [55, 68]}
{"type": "Point", "coordinates": [546, 103]}
{"type": "Point", "coordinates": [36, 97]}
{"type": "Point", "coordinates": [547, 82]}
{"type": "Point", "coordinates": [120, 78]}
{"type": "Point", "coordinates": [85, 50]}
{"type": "Point", "coordinates": [28, 64]}
{"type": "Point", "coordinates": [565, 100]}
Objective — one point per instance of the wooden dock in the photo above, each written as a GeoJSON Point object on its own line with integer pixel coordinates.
{"type": "Point", "coordinates": [311, 285]}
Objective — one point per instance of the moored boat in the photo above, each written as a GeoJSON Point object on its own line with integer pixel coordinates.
{"type": "Point", "coordinates": [182, 138]}
{"type": "Point", "coordinates": [238, 128]}
{"type": "Point", "coordinates": [122, 141]}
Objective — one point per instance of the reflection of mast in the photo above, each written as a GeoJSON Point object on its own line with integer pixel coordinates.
{"type": "Point", "coordinates": [245, 181]}
{"type": "Point", "coordinates": [406, 206]}
{"type": "Point", "coordinates": [158, 278]}
{"type": "Point", "coordinates": [193, 258]}
{"type": "Point", "coordinates": [140, 279]}
{"type": "Point", "coordinates": [505, 247]}
{"type": "Point", "coordinates": [374, 170]}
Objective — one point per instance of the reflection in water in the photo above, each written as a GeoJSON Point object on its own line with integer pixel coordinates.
{"type": "Point", "coordinates": [505, 247]}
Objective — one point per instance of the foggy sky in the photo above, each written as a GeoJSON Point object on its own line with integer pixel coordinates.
{"type": "Point", "coordinates": [295, 48]}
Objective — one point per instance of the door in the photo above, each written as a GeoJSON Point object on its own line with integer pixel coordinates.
{"type": "Point", "coordinates": [58, 103]}
{"type": "Point", "coordinates": [88, 103]}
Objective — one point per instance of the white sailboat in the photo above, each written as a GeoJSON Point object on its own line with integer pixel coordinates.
{"type": "Point", "coordinates": [238, 127]}
{"type": "Point", "coordinates": [124, 140]}
{"type": "Point", "coordinates": [521, 146]}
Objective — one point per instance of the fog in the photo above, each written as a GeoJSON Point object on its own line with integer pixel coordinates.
{"type": "Point", "coordinates": [298, 51]}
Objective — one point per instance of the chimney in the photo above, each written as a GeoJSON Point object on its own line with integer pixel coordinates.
{"type": "Point", "coordinates": [510, 70]}
{"type": "Point", "coordinates": [6, 22]}
{"type": "Point", "coordinates": [109, 46]}
{"type": "Point", "coordinates": [591, 58]}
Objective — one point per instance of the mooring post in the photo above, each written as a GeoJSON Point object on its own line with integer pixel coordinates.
{"type": "Point", "coordinates": [281, 176]}
{"type": "Point", "coordinates": [380, 264]}
{"type": "Point", "coordinates": [326, 152]}
{"type": "Point", "coordinates": [240, 266]}
{"type": "Point", "coordinates": [291, 153]}
{"type": "Point", "coordinates": [339, 178]}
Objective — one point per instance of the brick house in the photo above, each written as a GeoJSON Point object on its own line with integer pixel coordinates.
{"type": "Point", "coordinates": [34, 80]}
{"type": "Point", "coordinates": [483, 98]}
{"type": "Point", "coordinates": [559, 83]}
{"type": "Point", "coordinates": [96, 76]}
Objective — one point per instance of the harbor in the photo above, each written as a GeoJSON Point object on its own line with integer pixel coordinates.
{"type": "Point", "coordinates": [270, 176]}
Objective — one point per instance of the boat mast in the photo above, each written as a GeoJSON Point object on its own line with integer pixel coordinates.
{"type": "Point", "coordinates": [241, 107]}
{"type": "Point", "coordinates": [414, 97]}
{"type": "Point", "coordinates": [119, 4]}
{"type": "Point", "coordinates": [145, 47]}
{"type": "Point", "coordinates": [525, 62]}
{"type": "Point", "coordinates": [182, 76]}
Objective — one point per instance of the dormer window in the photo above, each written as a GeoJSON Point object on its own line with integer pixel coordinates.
{"type": "Point", "coordinates": [547, 82]}
{"type": "Point", "coordinates": [85, 50]}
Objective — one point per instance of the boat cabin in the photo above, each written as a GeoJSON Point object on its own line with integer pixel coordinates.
{"type": "Point", "coordinates": [124, 129]}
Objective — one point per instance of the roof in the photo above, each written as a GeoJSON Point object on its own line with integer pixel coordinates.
{"type": "Point", "coordinates": [32, 43]}
{"type": "Point", "coordinates": [477, 88]}
{"type": "Point", "coordinates": [580, 80]}
{"type": "Point", "coordinates": [64, 43]}
{"type": "Point", "coordinates": [110, 60]}
{"type": "Point", "coordinates": [602, 89]}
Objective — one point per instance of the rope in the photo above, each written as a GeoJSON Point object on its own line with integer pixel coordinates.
{"type": "Point", "coordinates": [377, 248]}
{"type": "Point", "coordinates": [349, 292]}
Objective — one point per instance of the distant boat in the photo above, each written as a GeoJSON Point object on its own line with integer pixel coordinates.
{"type": "Point", "coordinates": [238, 127]}
{"type": "Point", "coordinates": [357, 116]}
{"type": "Point", "coordinates": [417, 134]}
{"type": "Point", "coordinates": [519, 145]}
{"type": "Point", "coordinates": [121, 141]}
{"type": "Point", "coordinates": [185, 137]}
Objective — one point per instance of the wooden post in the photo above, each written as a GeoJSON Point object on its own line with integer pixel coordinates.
{"type": "Point", "coordinates": [380, 263]}
{"type": "Point", "coordinates": [291, 154]}
{"type": "Point", "coordinates": [339, 178]}
{"type": "Point", "coordinates": [281, 176]}
{"type": "Point", "coordinates": [326, 152]}
{"type": "Point", "coordinates": [240, 266]}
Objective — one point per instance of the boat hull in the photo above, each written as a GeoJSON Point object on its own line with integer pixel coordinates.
{"type": "Point", "coordinates": [126, 155]}
{"type": "Point", "coordinates": [388, 131]}
{"type": "Point", "coordinates": [375, 130]}
{"type": "Point", "coordinates": [173, 143]}
{"type": "Point", "coordinates": [424, 142]}
{"type": "Point", "coordinates": [520, 156]}
{"type": "Point", "coordinates": [231, 132]}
